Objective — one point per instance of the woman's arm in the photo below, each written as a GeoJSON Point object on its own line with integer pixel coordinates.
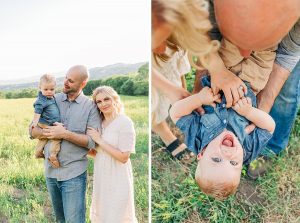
{"type": "Point", "coordinates": [173, 92]}
{"type": "Point", "coordinates": [117, 154]}
{"type": "Point", "coordinates": [114, 152]}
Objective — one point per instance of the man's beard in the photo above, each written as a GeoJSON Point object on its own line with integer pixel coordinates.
{"type": "Point", "coordinates": [70, 90]}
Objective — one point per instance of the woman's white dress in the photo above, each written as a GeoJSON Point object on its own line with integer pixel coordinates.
{"type": "Point", "coordinates": [113, 193]}
{"type": "Point", "coordinates": [177, 65]}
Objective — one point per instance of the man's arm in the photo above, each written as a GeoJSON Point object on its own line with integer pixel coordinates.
{"type": "Point", "coordinates": [276, 80]}
{"type": "Point", "coordinates": [59, 132]}
{"type": "Point", "coordinates": [287, 56]}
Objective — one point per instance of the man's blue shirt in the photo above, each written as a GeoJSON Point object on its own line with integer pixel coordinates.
{"type": "Point", "coordinates": [48, 109]}
{"type": "Point", "coordinates": [200, 130]}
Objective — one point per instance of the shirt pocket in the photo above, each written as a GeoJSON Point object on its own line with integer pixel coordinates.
{"type": "Point", "coordinates": [210, 121]}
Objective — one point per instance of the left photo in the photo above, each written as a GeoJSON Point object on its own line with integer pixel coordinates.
{"type": "Point", "coordinates": [74, 111]}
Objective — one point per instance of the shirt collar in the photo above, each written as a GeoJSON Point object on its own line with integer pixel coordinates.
{"type": "Point", "coordinates": [78, 100]}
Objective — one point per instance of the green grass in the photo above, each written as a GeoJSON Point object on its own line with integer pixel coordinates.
{"type": "Point", "coordinates": [23, 194]}
{"type": "Point", "coordinates": [272, 198]}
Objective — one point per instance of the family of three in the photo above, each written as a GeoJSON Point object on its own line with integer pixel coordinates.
{"type": "Point", "coordinates": [70, 126]}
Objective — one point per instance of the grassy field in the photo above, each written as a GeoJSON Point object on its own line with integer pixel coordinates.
{"type": "Point", "coordinates": [272, 198]}
{"type": "Point", "coordinates": [23, 195]}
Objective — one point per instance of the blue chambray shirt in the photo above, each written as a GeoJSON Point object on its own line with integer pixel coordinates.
{"type": "Point", "coordinates": [48, 109]}
{"type": "Point", "coordinates": [200, 130]}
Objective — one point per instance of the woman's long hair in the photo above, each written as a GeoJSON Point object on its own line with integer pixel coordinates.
{"type": "Point", "coordinates": [190, 22]}
{"type": "Point", "coordinates": [111, 93]}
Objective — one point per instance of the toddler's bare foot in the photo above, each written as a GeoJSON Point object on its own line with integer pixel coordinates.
{"type": "Point", "coordinates": [54, 161]}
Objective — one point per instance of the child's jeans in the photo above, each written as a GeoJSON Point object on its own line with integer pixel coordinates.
{"type": "Point", "coordinates": [54, 147]}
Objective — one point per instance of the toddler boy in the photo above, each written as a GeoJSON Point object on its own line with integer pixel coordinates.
{"type": "Point", "coordinates": [46, 113]}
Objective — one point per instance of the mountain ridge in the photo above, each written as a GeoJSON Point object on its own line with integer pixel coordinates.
{"type": "Point", "coordinates": [95, 73]}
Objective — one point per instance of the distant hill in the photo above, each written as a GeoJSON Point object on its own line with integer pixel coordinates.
{"type": "Point", "coordinates": [95, 74]}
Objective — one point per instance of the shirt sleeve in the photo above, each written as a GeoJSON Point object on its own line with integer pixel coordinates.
{"type": "Point", "coordinates": [288, 53]}
{"type": "Point", "coordinates": [190, 126]}
{"type": "Point", "coordinates": [254, 143]}
{"type": "Point", "coordinates": [94, 121]}
{"type": "Point", "coordinates": [127, 136]}
{"type": "Point", "coordinates": [39, 106]}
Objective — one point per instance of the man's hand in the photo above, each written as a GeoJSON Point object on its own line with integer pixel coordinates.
{"type": "Point", "coordinates": [243, 106]}
{"type": "Point", "coordinates": [58, 131]}
{"type": "Point", "coordinates": [208, 98]}
{"type": "Point", "coordinates": [231, 85]}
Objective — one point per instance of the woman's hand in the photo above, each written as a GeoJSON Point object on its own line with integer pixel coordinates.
{"type": "Point", "coordinates": [94, 134]}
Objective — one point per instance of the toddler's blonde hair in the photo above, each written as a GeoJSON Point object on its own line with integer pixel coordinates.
{"type": "Point", "coordinates": [212, 187]}
{"type": "Point", "coordinates": [46, 79]}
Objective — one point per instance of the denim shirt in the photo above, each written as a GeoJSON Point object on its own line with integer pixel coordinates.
{"type": "Point", "coordinates": [48, 109]}
{"type": "Point", "coordinates": [200, 130]}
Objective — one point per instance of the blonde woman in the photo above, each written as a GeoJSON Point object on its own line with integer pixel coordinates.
{"type": "Point", "coordinates": [112, 198]}
{"type": "Point", "coordinates": [179, 33]}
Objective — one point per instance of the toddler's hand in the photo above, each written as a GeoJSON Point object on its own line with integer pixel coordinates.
{"type": "Point", "coordinates": [243, 106]}
{"type": "Point", "coordinates": [208, 98]}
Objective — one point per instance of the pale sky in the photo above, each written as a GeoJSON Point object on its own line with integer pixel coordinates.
{"type": "Point", "coordinates": [39, 36]}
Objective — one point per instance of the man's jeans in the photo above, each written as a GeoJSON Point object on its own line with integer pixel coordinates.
{"type": "Point", "coordinates": [284, 112]}
{"type": "Point", "coordinates": [68, 198]}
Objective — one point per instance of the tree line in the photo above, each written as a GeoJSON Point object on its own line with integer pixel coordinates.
{"type": "Point", "coordinates": [129, 84]}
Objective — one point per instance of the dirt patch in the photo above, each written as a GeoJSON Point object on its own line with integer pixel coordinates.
{"type": "Point", "coordinates": [18, 193]}
{"type": "Point", "coordinates": [3, 218]}
{"type": "Point", "coordinates": [47, 211]}
{"type": "Point", "coordinates": [194, 217]}
{"type": "Point", "coordinates": [249, 191]}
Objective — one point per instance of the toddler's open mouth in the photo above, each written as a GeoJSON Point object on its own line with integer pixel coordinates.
{"type": "Point", "coordinates": [228, 140]}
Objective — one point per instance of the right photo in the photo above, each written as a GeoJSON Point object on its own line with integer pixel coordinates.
{"type": "Point", "coordinates": [225, 118]}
